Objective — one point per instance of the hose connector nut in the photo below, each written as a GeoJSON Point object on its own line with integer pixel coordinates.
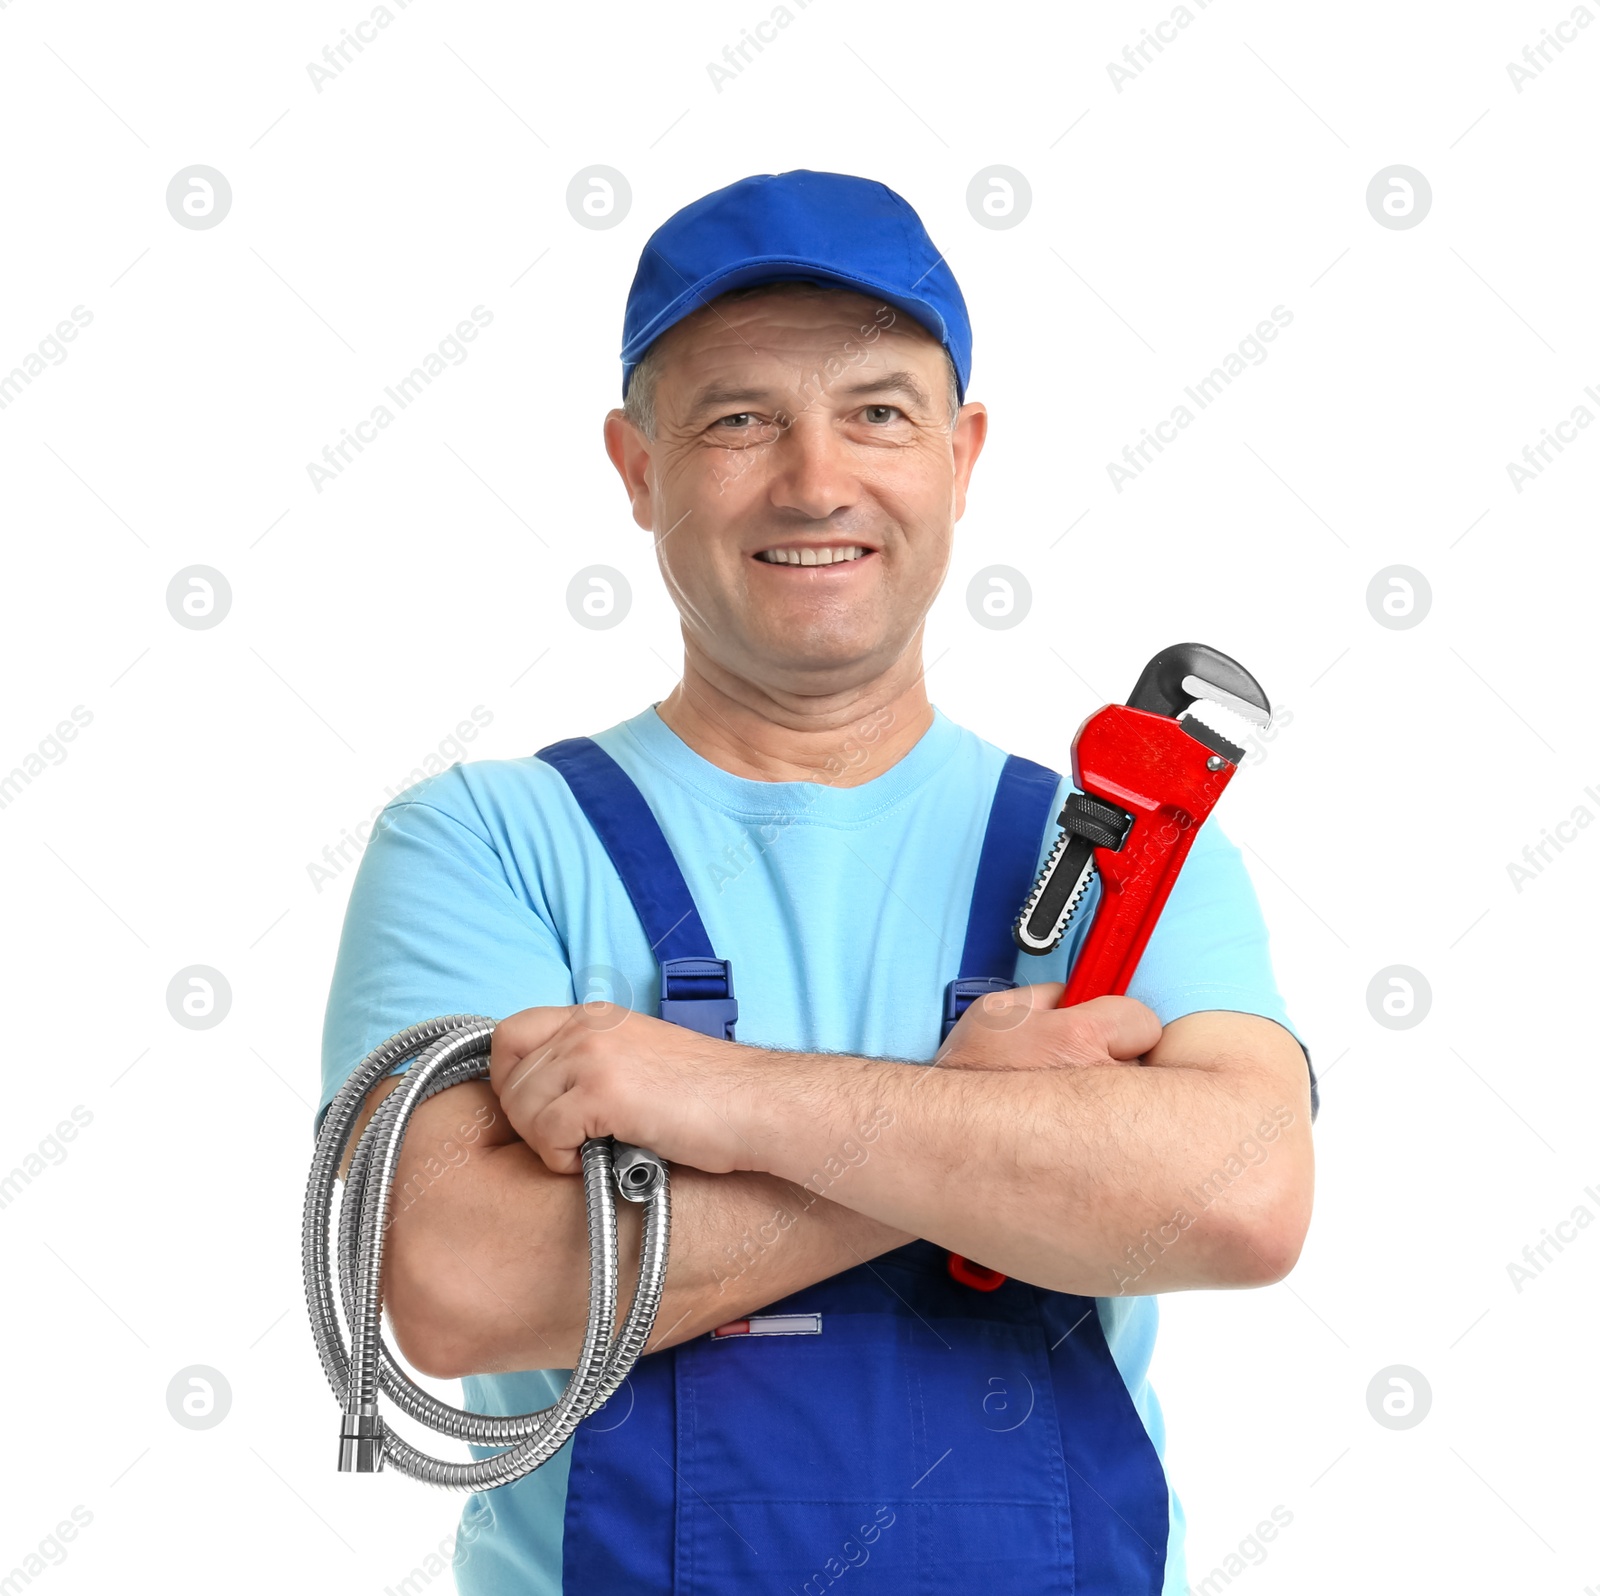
{"type": "Point", "coordinates": [639, 1174]}
{"type": "Point", "coordinates": [361, 1443]}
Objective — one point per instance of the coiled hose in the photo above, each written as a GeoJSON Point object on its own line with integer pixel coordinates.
{"type": "Point", "coordinates": [447, 1051]}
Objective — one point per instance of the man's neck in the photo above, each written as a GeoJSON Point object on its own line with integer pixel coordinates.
{"type": "Point", "coordinates": [841, 740]}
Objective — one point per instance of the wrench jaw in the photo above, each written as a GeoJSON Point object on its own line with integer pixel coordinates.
{"type": "Point", "coordinates": [1220, 746]}
{"type": "Point", "coordinates": [1169, 687]}
{"type": "Point", "coordinates": [1199, 690]}
{"type": "Point", "coordinates": [1258, 714]}
{"type": "Point", "coordinates": [1178, 675]}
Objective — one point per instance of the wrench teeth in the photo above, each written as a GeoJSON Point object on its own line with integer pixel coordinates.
{"type": "Point", "coordinates": [1199, 687]}
{"type": "Point", "coordinates": [1209, 737]}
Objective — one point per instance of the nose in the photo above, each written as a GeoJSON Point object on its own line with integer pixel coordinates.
{"type": "Point", "coordinates": [813, 475]}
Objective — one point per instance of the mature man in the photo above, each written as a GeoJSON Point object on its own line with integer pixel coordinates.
{"type": "Point", "coordinates": [795, 437]}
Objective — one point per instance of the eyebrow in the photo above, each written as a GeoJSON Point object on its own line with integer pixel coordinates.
{"type": "Point", "coordinates": [903, 382]}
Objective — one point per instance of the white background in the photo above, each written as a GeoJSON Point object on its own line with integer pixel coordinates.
{"type": "Point", "coordinates": [1168, 217]}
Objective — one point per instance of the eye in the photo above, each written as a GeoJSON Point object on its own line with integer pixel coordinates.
{"type": "Point", "coordinates": [880, 414]}
{"type": "Point", "coordinates": [741, 430]}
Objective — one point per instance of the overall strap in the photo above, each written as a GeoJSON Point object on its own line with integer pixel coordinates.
{"type": "Point", "coordinates": [696, 986]}
{"type": "Point", "coordinates": [1023, 799]}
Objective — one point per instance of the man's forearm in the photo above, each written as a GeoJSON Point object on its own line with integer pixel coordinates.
{"type": "Point", "coordinates": [1093, 1180]}
{"type": "Point", "coordinates": [739, 1242]}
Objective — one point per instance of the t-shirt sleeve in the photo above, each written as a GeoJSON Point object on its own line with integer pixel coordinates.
{"type": "Point", "coordinates": [435, 925]}
{"type": "Point", "coordinates": [1210, 947]}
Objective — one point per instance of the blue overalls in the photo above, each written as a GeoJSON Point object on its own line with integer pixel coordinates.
{"type": "Point", "coordinates": [932, 1438]}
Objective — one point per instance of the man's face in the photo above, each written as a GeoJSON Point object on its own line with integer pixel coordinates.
{"type": "Point", "coordinates": [796, 427]}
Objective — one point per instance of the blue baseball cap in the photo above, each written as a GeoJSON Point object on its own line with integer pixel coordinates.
{"type": "Point", "coordinates": [823, 226]}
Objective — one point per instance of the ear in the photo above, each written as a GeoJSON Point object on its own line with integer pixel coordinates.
{"type": "Point", "coordinates": [972, 427]}
{"type": "Point", "coordinates": [629, 450]}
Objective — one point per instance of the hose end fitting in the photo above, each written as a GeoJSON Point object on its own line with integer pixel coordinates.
{"type": "Point", "coordinates": [639, 1174]}
{"type": "Point", "coordinates": [361, 1443]}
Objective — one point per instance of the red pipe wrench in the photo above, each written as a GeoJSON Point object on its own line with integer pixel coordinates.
{"type": "Point", "coordinates": [1149, 772]}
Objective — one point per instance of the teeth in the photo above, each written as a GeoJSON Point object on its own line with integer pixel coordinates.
{"type": "Point", "coordinates": [1210, 693]}
{"type": "Point", "coordinates": [809, 556]}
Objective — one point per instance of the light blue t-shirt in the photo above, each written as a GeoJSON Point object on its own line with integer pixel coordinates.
{"type": "Point", "coordinates": [842, 909]}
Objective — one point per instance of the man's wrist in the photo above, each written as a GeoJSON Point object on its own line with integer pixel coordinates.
{"type": "Point", "coordinates": [812, 1117]}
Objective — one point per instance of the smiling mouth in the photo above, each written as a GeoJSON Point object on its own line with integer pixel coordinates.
{"type": "Point", "coordinates": [813, 556]}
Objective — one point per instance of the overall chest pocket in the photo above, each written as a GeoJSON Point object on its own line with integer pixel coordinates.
{"type": "Point", "coordinates": [892, 1452]}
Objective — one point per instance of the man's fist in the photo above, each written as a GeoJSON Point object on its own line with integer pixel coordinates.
{"type": "Point", "coordinates": [1024, 1030]}
{"type": "Point", "coordinates": [567, 1072]}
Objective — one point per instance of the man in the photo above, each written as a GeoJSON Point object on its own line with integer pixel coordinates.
{"type": "Point", "coordinates": [795, 435]}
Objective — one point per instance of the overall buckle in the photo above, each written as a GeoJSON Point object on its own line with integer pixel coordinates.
{"type": "Point", "coordinates": [698, 995]}
{"type": "Point", "coordinates": [963, 992]}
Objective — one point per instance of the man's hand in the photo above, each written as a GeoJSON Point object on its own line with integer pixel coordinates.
{"type": "Point", "coordinates": [566, 1073]}
{"type": "Point", "coordinates": [1024, 1030]}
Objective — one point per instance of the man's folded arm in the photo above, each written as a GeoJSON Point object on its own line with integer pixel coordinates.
{"type": "Point", "coordinates": [1086, 1150]}
{"type": "Point", "coordinates": [486, 1262]}
{"type": "Point", "coordinates": [1188, 1168]}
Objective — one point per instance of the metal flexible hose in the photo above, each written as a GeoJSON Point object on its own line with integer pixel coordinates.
{"type": "Point", "coordinates": [445, 1052]}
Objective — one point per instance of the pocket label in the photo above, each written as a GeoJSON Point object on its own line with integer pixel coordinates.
{"type": "Point", "coordinates": [772, 1324]}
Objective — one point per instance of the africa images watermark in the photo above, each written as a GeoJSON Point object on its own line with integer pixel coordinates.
{"type": "Point", "coordinates": [1136, 57]}
{"type": "Point", "coordinates": [50, 750]}
{"type": "Point", "coordinates": [51, 351]}
{"type": "Point", "coordinates": [434, 1168]}
{"type": "Point", "coordinates": [851, 1155]}
{"type": "Point", "coordinates": [1252, 1153]}
{"type": "Point", "coordinates": [1536, 1255]}
{"type": "Point", "coordinates": [353, 841]}
{"type": "Point", "coordinates": [1536, 57]}
{"type": "Point", "coordinates": [352, 41]}
{"type": "Point", "coordinates": [854, 1553]}
{"type": "Point", "coordinates": [454, 1549]}
{"type": "Point", "coordinates": [405, 393]}
{"type": "Point", "coordinates": [1252, 1552]}
{"type": "Point", "coordinates": [1251, 350]}
{"type": "Point", "coordinates": [1536, 855]}
{"type": "Point", "coordinates": [1255, 747]}
{"type": "Point", "coordinates": [50, 1553]}
{"type": "Point", "coordinates": [50, 1150]}
{"type": "Point", "coordinates": [1536, 456]}
{"type": "Point", "coordinates": [813, 389]}
{"type": "Point", "coordinates": [759, 839]}
{"type": "Point", "coordinates": [737, 56]}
